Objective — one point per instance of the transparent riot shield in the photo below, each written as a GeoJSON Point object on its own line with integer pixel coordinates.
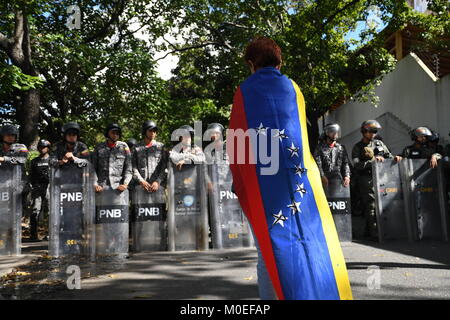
{"type": "Point", "coordinates": [149, 220]}
{"type": "Point", "coordinates": [111, 222]}
{"type": "Point", "coordinates": [392, 217]}
{"type": "Point", "coordinates": [187, 218]}
{"type": "Point", "coordinates": [338, 198]}
{"type": "Point", "coordinates": [426, 199]}
{"type": "Point", "coordinates": [72, 212]}
{"type": "Point", "coordinates": [229, 226]}
{"type": "Point", "coordinates": [10, 209]}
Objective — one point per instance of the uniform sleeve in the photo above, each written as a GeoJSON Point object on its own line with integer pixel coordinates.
{"type": "Point", "coordinates": [127, 167]}
{"type": "Point", "coordinates": [346, 172]}
{"type": "Point", "coordinates": [84, 156]}
{"type": "Point", "coordinates": [318, 158]}
{"type": "Point", "coordinates": [177, 156]}
{"type": "Point", "coordinates": [135, 162]}
{"type": "Point", "coordinates": [94, 160]}
{"type": "Point", "coordinates": [159, 175]}
{"type": "Point", "coordinates": [19, 156]}
{"type": "Point", "coordinates": [198, 156]}
{"type": "Point", "coordinates": [358, 163]}
{"type": "Point", "coordinates": [387, 153]}
{"type": "Point", "coordinates": [405, 152]}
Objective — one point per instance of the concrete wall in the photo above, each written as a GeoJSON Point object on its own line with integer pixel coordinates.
{"type": "Point", "coordinates": [410, 96]}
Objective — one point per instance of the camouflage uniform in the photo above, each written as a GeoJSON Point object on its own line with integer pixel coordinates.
{"type": "Point", "coordinates": [150, 163]}
{"type": "Point", "coordinates": [332, 161]}
{"type": "Point", "coordinates": [190, 155]}
{"type": "Point", "coordinates": [80, 153]}
{"type": "Point", "coordinates": [363, 155]}
{"type": "Point", "coordinates": [39, 179]}
{"type": "Point", "coordinates": [112, 166]}
{"type": "Point", "coordinates": [17, 154]}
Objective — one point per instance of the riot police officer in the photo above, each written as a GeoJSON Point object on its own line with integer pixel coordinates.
{"type": "Point", "coordinates": [11, 152]}
{"type": "Point", "coordinates": [216, 149]}
{"type": "Point", "coordinates": [364, 153]}
{"type": "Point", "coordinates": [149, 159]}
{"type": "Point", "coordinates": [331, 156]}
{"type": "Point", "coordinates": [39, 180]}
{"type": "Point", "coordinates": [70, 150]}
{"type": "Point", "coordinates": [185, 152]}
{"type": "Point", "coordinates": [421, 149]}
{"type": "Point", "coordinates": [112, 161]}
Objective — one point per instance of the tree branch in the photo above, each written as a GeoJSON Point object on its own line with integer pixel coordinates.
{"type": "Point", "coordinates": [202, 45]}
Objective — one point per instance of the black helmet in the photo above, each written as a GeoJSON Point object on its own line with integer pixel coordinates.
{"type": "Point", "coordinates": [420, 131]}
{"type": "Point", "coordinates": [187, 128]}
{"type": "Point", "coordinates": [43, 143]}
{"type": "Point", "coordinates": [112, 126]}
{"type": "Point", "coordinates": [434, 137]}
{"type": "Point", "coordinates": [370, 125]}
{"type": "Point", "coordinates": [131, 142]}
{"type": "Point", "coordinates": [9, 129]}
{"type": "Point", "coordinates": [331, 128]}
{"type": "Point", "coordinates": [71, 126]}
{"type": "Point", "coordinates": [215, 127]}
{"type": "Point", "coordinates": [149, 124]}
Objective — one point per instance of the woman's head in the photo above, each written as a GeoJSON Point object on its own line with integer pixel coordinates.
{"type": "Point", "coordinates": [262, 52]}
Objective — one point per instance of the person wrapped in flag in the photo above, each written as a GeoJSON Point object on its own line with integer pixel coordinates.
{"type": "Point", "coordinates": [278, 183]}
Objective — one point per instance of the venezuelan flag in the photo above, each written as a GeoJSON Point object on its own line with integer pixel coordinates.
{"type": "Point", "coordinates": [288, 210]}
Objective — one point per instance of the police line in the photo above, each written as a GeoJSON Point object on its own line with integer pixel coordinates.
{"type": "Point", "coordinates": [197, 208]}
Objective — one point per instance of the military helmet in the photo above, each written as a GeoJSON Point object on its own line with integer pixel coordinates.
{"type": "Point", "coordinates": [370, 125]}
{"type": "Point", "coordinates": [71, 126]}
{"type": "Point", "coordinates": [215, 127]}
{"type": "Point", "coordinates": [331, 128]}
{"type": "Point", "coordinates": [420, 131]}
{"type": "Point", "coordinates": [9, 129]}
{"type": "Point", "coordinates": [434, 137]}
{"type": "Point", "coordinates": [43, 143]}
{"type": "Point", "coordinates": [131, 142]}
{"type": "Point", "coordinates": [187, 128]}
{"type": "Point", "coordinates": [149, 124]}
{"type": "Point", "coordinates": [112, 126]}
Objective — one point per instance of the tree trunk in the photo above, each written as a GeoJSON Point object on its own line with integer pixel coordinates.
{"type": "Point", "coordinates": [28, 117]}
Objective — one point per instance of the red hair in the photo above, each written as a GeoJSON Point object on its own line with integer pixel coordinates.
{"type": "Point", "coordinates": [263, 52]}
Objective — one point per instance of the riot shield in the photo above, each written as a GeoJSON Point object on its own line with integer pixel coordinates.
{"type": "Point", "coordinates": [338, 198]}
{"type": "Point", "coordinates": [229, 226]}
{"type": "Point", "coordinates": [426, 200]}
{"type": "Point", "coordinates": [72, 211]}
{"type": "Point", "coordinates": [111, 222]}
{"type": "Point", "coordinates": [187, 218]}
{"type": "Point", "coordinates": [10, 209]}
{"type": "Point", "coordinates": [149, 220]}
{"type": "Point", "coordinates": [392, 218]}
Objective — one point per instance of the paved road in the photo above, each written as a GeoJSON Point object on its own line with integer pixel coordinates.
{"type": "Point", "coordinates": [390, 271]}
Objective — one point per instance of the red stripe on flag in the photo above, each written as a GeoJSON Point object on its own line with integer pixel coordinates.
{"type": "Point", "coordinates": [250, 195]}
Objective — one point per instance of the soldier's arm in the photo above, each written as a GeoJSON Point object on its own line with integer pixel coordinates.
{"type": "Point", "coordinates": [83, 158]}
{"type": "Point", "coordinates": [360, 163]}
{"type": "Point", "coordinates": [177, 156]}
{"type": "Point", "coordinates": [127, 167]}
{"type": "Point", "coordinates": [318, 158]}
{"type": "Point", "coordinates": [94, 159]}
{"type": "Point", "coordinates": [346, 172]}
{"type": "Point", "coordinates": [19, 157]}
{"type": "Point", "coordinates": [135, 162]}
{"type": "Point", "coordinates": [198, 157]}
{"type": "Point", "coordinates": [387, 153]}
{"type": "Point", "coordinates": [162, 167]}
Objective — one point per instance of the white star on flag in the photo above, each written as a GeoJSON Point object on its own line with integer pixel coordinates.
{"type": "Point", "coordinates": [301, 189]}
{"type": "Point", "coordinates": [299, 170]}
{"type": "Point", "coordinates": [293, 150]}
{"type": "Point", "coordinates": [294, 206]}
{"type": "Point", "coordinates": [279, 218]}
{"type": "Point", "coordinates": [281, 134]}
{"type": "Point", "coordinates": [261, 129]}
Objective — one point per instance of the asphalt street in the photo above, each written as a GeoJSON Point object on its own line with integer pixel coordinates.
{"type": "Point", "coordinates": [419, 270]}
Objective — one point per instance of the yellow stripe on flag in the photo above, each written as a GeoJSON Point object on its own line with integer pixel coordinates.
{"type": "Point", "coordinates": [329, 228]}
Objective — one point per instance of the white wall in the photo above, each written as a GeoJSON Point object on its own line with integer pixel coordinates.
{"type": "Point", "coordinates": [410, 95]}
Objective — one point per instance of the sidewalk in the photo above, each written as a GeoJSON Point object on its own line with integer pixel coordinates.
{"type": "Point", "coordinates": [30, 251]}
